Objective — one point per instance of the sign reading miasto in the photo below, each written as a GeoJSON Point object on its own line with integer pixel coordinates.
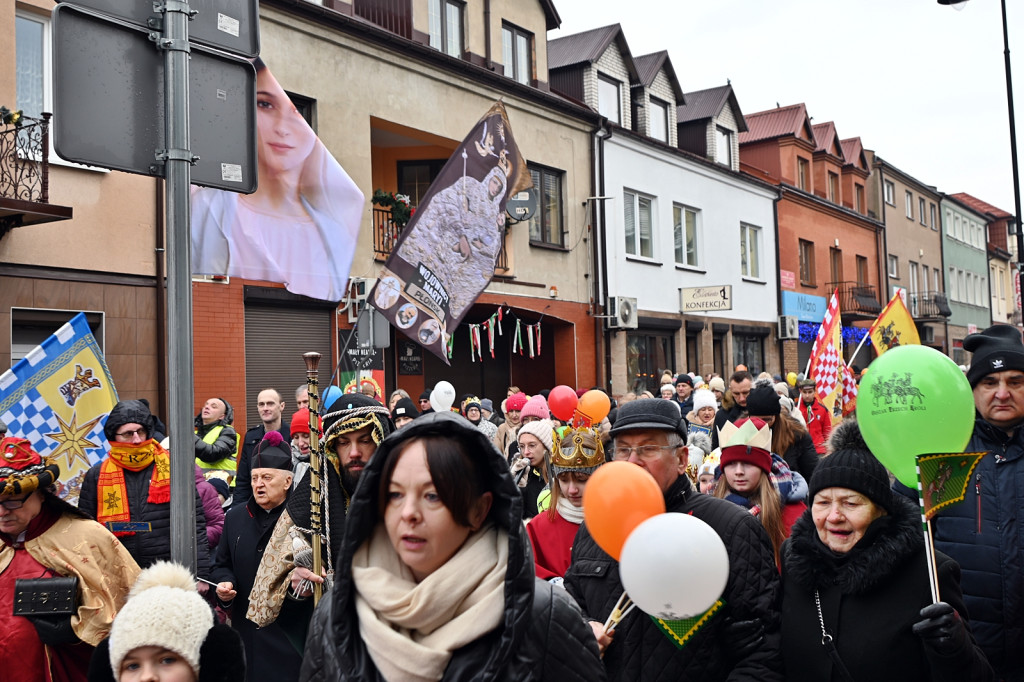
{"type": "Point", "coordinates": [703, 299]}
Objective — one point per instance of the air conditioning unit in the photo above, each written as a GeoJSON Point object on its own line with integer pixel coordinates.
{"type": "Point", "coordinates": [789, 327]}
{"type": "Point", "coordinates": [622, 312]}
{"type": "Point", "coordinates": [927, 334]}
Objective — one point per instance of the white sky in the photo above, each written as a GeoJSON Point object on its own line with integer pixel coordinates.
{"type": "Point", "coordinates": [922, 84]}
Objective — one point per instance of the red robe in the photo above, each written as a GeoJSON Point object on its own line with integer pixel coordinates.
{"type": "Point", "coordinates": [551, 540]}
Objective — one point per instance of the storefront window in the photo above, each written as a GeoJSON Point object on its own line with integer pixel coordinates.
{"type": "Point", "coordinates": [749, 350]}
{"type": "Point", "coordinates": [647, 356]}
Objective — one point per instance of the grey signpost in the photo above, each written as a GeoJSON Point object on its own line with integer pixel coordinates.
{"type": "Point", "coordinates": [131, 87]}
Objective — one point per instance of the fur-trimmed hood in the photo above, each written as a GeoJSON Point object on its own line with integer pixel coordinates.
{"type": "Point", "coordinates": [887, 544]}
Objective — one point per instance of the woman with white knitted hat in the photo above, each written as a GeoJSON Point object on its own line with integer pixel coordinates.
{"type": "Point", "coordinates": [530, 469]}
{"type": "Point", "coordinates": [166, 633]}
{"type": "Point", "coordinates": [704, 408]}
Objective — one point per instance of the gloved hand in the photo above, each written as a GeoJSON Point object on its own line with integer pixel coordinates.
{"type": "Point", "coordinates": [54, 630]}
{"type": "Point", "coordinates": [942, 629]}
{"type": "Point", "coordinates": [743, 637]}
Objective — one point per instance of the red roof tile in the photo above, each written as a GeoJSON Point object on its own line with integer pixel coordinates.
{"type": "Point", "coordinates": [981, 206]}
{"type": "Point", "coordinates": [779, 122]}
{"type": "Point", "coordinates": [853, 151]}
{"type": "Point", "coordinates": [825, 139]}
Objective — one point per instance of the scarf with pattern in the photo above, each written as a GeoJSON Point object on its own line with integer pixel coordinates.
{"type": "Point", "coordinates": [112, 494]}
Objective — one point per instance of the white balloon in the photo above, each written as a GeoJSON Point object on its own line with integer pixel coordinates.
{"type": "Point", "coordinates": [674, 566]}
{"type": "Point", "coordinates": [442, 397]}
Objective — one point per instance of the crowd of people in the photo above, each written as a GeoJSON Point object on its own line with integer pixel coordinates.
{"type": "Point", "coordinates": [455, 546]}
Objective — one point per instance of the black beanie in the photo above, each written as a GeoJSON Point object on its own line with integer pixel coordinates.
{"type": "Point", "coordinates": [996, 349]}
{"type": "Point", "coordinates": [763, 401]}
{"type": "Point", "coordinates": [850, 464]}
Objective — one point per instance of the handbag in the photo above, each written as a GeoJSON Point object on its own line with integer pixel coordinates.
{"type": "Point", "coordinates": [46, 596]}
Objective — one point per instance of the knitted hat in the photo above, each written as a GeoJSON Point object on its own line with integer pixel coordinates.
{"type": "Point", "coordinates": [709, 464]}
{"type": "Point", "coordinates": [425, 395]}
{"type": "Point", "coordinates": [164, 610]}
{"type": "Point", "coordinates": [782, 388]}
{"type": "Point", "coordinates": [535, 407]}
{"type": "Point", "coordinates": [850, 464]}
{"type": "Point", "coordinates": [487, 405]}
{"type": "Point", "coordinates": [543, 430]}
{"type": "Point", "coordinates": [220, 485]}
{"type": "Point", "coordinates": [996, 349]}
{"type": "Point", "coordinates": [684, 379]}
{"type": "Point", "coordinates": [717, 384]}
{"type": "Point", "coordinates": [657, 414]}
{"type": "Point", "coordinates": [300, 422]}
{"type": "Point", "coordinates": [272, 453]}
{"type": "Point", "coordinates": [515, 402]}
{"type": "Point", "coordinates": [763, 401]}
{"type": "Point", "coordinates": [748, 440]}
{"type": "Point", "coordinates": [404, 408]}
{"type": "Point", "coordinates": [129, 412]}
{"type": "Point", "coordinates": [702, 398]}
{"type": "Point", "coordinates": [22, 469]}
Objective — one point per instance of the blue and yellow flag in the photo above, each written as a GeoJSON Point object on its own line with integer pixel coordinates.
{"type": "Point", "coordinates": [58, 398]}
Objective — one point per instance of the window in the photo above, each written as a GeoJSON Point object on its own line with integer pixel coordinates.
{"type": "Point", "coordinates": [31, 326]}
{"type": "Point", "coordinates": [920, 211]}
{"type": "Point", "coordinates": [658, 125]}
{"type": "Point", "coordinates": [546, 223]}
{"type": "Point", "coordinates": [910, 205]}
{"type": "Point", "coordinates": [835, 260]}
{"type": "Point", "coordinates": [445, 24]}
{"type": "Point", "coordinates": [890, 193]}
{"type": "Point", "coordinates": [958, 232]}
{"type": "Point", "coordinates": [833, 188]}
{"type": "Point", "coordinates": [949, 222]}
{"type": "Point", "coordinates": [639, 217]}
{"type": "Point", "coordinates": [954, 290]}
{"type": "Point", "coordinates": [32, 38]}
{"type": "Point", "coordinates": [647, 356]}
{"type": "Point", "coordinates": [685, 221]}
{"type": "Point", "coordinates": [858, 197]}
{"type": "Point", "coordinates": [414, 177]}
{"type": "Point", "coordinates": [807, 262]}
{"type": "Point", "coordinates": [894, 266]}
{"type": "Point", "coordinates": [803, 177]}
{"type": "Point", "coordinates": [609, 104]}
{"type": "Point", "coordinates": [748, 350]}
{"type": "Point", "coordinates": [937, 281]}
{"type": "Point", "coordinates": [723, 146]}
{"type": "Point", "coordinates": [517, 53]}
{"type": "Point", "coordinates": [931, 214]}
{"type": "Point", "coordinates": [750, 251]}
{"type": "Point", "coordinates": [862, 271]}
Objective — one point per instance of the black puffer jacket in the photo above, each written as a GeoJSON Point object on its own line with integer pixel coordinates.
{"type": "Point", "coordinates": [542, 636]}
{"type": "Point", "coordinates": [870, 599]}
{"type": "Point", "coordinates": [720, 650]}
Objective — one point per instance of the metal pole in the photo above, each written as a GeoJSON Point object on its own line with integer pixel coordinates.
{"type": "Point", "coordinates": [1013, 153]}
{"type": "Point", "coordinates": [177, 164]}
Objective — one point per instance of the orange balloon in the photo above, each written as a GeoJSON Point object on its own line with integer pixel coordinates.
{"type": "Point", "coordinates": [618, 498]}
{"type": "Point", "coordinates": [594, 405]}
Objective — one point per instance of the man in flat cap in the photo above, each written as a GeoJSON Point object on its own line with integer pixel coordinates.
{"type": "Point", "coordinates": [739, 641]}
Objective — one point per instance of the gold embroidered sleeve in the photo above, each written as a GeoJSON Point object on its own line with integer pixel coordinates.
{"type": "Point", "coordinates": [270, 586]}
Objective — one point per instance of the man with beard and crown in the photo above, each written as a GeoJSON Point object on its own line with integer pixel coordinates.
{"type": "Point", "coordinates": [353, 429]}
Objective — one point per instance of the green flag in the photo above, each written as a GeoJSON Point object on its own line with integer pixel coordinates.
{"type": "Point", "coordinates": [944, 479]}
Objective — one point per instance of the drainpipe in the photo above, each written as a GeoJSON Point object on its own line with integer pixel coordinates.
{"type": "Point", "coordinates": [487, 36]}
{"type": "Point", "coordinates": [778, 292]}
{"type": "Point", "coordinates": [601, 333]}
{"type": "Point", "coordinates": [161, 300]}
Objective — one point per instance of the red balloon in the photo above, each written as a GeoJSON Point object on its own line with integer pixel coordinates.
{"type": "Point", "coordinates": [618, 498]}
{"type": "Point", "coordinates": [562, 402]}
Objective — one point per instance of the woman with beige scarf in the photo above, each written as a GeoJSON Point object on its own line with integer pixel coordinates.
{"type": "Point", "coordinates": [436, 580]}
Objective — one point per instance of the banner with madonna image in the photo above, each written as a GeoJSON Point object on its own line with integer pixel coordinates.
{"type": "Point", "coordinates": [445, 256]}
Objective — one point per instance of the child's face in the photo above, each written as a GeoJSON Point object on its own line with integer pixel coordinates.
{"type": "Point", "coordinates": [707, 482]}
{"type": "Point", "coordinates": [154, 663]}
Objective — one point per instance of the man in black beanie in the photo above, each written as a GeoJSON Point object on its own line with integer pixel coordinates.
{"type": "Point", "coordinates": [983, 533]}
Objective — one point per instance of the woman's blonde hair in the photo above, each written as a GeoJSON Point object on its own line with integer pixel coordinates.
{"type": "Point", "coordinates": [767, 498]}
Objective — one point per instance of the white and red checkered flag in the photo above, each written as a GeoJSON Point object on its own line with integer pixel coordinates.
{"type": "Point", "coordinates": [849, 391]}
{"type": "Point", "coordinates": [827, 365]}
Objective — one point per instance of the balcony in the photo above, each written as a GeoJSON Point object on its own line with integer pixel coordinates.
{"type": "Point", "coordinates": [857, 302]}
{"type": "Point", "coordinates": [25, 175]}
{"type": "Point", "coordinates": [386, 233]}
{"type": "Point", "coordinates": [392, 15]}
{"type": "Point", "coordinates": [928, 306]}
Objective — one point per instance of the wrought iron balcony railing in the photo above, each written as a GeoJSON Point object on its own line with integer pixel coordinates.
{"type": "Point", "coordinates": [385, 236]}
{"type": "Point", "coordinates": [24, 160]}
{"type": "Point", "coordinates": [928, 304]}
{"type": "Point", "coordinates": [856, 300]}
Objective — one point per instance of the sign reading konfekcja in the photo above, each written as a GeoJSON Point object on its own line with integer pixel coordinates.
{"type": "Point", "coordinates": [704, 299]}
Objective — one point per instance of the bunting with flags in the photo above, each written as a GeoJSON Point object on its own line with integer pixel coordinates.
{"type": "Point", "coordinates": [894, 326]}
{"type": "Point", "coordinates": [827, 365]}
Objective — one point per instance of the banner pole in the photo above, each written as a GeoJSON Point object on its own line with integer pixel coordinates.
{"type": "Point", "coordinates": [859, 346]}
{"type": "Point", "coordinates": [926, 527]}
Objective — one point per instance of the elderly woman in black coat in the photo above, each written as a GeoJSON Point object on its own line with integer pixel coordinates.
{"type": "Point", "coordinates": [436, 581]}
{"type": "Point", "coordinates": [856, 598]}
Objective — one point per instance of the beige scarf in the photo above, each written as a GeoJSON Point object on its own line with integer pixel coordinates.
{"type": "Point", "coordinates": [410, 628]}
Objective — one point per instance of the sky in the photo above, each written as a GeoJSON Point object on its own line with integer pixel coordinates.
{"type": "Point", "coordinates": [920, 83]}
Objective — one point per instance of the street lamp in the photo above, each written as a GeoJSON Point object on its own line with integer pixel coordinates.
{"type": "Point", "coordinates": [1013, 149]}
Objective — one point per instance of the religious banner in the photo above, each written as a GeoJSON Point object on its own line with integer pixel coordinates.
{"type": "Point", "coordinates": [446, 255]}
{"type": "Point", "coordinates": [58, 397]}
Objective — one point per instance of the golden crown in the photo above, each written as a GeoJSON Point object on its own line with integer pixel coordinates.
{"type": "Point", "coordinates": [580, 457]}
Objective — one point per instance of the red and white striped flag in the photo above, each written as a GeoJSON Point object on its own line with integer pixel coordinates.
{"type": "Point", "coordinates": [849, 391]}
{"type": "Point", "coordinates": [827, 365]}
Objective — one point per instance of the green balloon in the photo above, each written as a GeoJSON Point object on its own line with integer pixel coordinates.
{"type": "Point", "coordinates": [914, 401]}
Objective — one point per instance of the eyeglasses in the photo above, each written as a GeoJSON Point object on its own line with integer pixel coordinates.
{"type": "Point", "coordinates": [11, 505]}
{"type": "Point", "coordinates": [128, 435]}
{"type": "Point", "coordinates": [623, 452]}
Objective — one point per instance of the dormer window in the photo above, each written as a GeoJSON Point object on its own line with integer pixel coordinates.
{"type": "Point", "coordinates": [609, 102]}
{"type": "Point", "coordinates": [445, 22]}
{"type": "Point", "coordinates": [723, 146]}
{"type": "Point", "coordinates": [515, 47]}
{"type": "Point", "coordinates": [659, 120]}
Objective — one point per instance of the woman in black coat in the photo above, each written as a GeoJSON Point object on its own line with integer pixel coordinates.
{"type": "Point", "coordinates": [856, 593]}
{"type": "Point", "coordinates": [435, 575]}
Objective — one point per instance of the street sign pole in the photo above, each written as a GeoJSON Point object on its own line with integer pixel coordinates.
{"type": "Point", "coordinates": [178, 160]}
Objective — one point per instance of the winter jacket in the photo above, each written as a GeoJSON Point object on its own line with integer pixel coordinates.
{"type": "Point", "coordinates": [243, 479]}
{"type": "Point", "coordinates": [223, 448]}
{"type": "Point", "coordinates": [719, 650]}
{"type": "Point", "coordinates": [819, 423]}
{"type": "Point", "coordinates": [870, 599]}
{"type": "Point", "coordinates": [542, 636]}
{"type": "Point", "coordinates": [985, 535]}
{"type": "Point", "coordinates": [211, 509]}
{"type": "Point", "coordinates": [802, 456]}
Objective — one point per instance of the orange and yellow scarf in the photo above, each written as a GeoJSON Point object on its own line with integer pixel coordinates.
{"type": "Point", "coordinates": [112, 498]}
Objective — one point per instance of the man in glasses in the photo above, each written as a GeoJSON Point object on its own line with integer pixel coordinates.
{"type": "Point", "coordinates": [741, 641]}
{"type": "Point", "coordinates": [129, 491]}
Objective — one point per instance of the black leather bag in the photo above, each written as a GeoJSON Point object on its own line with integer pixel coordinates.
{"type": "Point", "coordinates": [46, 596]}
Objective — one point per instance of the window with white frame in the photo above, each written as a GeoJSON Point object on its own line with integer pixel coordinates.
{"type": "Point", "coordinates": [658, 126]}
{"type": "Point", "coordinates": [639, 224]}
{"type": "Point", "coordinates": [517, 53]}
{"type": "Point", "coordinates": [32, 64]}
{"type": "Point", "coordinates": [686, 225]}
{"type": "Point", "coordinates": [723, 146]}
{"type": "Point", "coordinates": [910, 205]}
{"type": "Point", "coordinates": [958, 232]}
{"type": "Point", "coordinates": [931, 214]}
{"type": "Point", "coordinates": [949, 222]}
{"type": "Point", "coordinates": [894, 265]}
{"type": "Point", "coordinates": [609, 101]}
{"type": "Point", "coordinates": [921, 214]}
{"type": "Point", "coordinates": [954, 290]}
{"type": "Point", "coordinates": [445, 25]}
{"type": "Point", "coordinates": [750, 251]}
{"type": "Point", "coordinates": [890, 193]}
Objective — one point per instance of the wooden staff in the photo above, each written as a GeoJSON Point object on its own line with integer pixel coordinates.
{"type": "Point", "coordinates": [315, 523]}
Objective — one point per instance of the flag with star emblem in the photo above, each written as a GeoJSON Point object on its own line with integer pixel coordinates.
{"type": "Point", "coordinates": [58, 398]}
